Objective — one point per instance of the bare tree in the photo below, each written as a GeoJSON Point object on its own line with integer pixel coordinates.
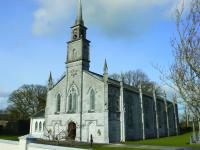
{"type": "Point", "coordinates": [134, 78]}
{"type": "Point", "coordinates": [185, 72]}
{"type": "Point", "coordinates": [115, 76]}
{"type": "Point", "coordinates": [27, 100]}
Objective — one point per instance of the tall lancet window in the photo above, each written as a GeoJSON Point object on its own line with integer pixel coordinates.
{"type": "Point", "coordinates": [70, 103]}
{"type": "Point", "coordinates": [36, 126]}
{"type": "Point", "coordinates": [72, 100]}
{"type": "Point", "coordinates": [58, 103]}
{"type": "Point", "coordinates": [92, 100]}
{"type": "Point", "coordinates": [40, 126]}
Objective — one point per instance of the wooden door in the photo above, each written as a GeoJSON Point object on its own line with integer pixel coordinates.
{"type": "Point", "coordinates": [72, 130]}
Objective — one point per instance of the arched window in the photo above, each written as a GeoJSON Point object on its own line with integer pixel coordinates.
{"type": "Point", "coordinates": [58, 103]}
{"type": "Point", "coordinates": [92, 100]}
{"type": "Point", "coordinates": [70, 103]}
{"type": "Point", "coordinates": [72, 100]}
{"type": "Point", "coordinates": [43, 125]}
{"type": "Point", "coordinates": [36, 126]}
{"type": "Point", "coordinates": [40, 126]}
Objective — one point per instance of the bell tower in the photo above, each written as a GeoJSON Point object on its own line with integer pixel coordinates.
{"type": "Point", "coordinates": [78, 47]}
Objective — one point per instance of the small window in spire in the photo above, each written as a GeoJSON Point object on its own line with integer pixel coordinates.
{"type": "Point", "coordinates": [75, 34]}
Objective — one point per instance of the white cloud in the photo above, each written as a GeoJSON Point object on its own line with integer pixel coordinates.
{"type": "Point", "coordinates": [3, 93]}
{"type": "Point", "coordinates": [113, 17]}
{"type": "Point", "coordinates": [50, 15]}
{"type": "Point", "coordinates": [3, 98]}
{"type": "Point", "coordinates": [3, 103]}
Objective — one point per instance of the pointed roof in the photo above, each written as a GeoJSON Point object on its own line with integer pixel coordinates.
{"type": "Point", "coordinates": [79, 19]}
{"type": "Point", "coordinates": [105, 67]}
{"type": "Point", "coordinates": [40, 114]}
{"type": "Point", "coordinates": [50, 77]}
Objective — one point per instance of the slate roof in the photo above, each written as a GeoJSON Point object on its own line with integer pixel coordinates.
{"type": "Point", "coordinates": [39, 114]}
{"type": "Point", "coordinates": [126, 86]}
{"type": "Point", "coordinates": [115, 83]}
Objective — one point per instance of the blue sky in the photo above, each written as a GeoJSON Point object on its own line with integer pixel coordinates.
{"type": "Point", "coordinates": [130, 34]}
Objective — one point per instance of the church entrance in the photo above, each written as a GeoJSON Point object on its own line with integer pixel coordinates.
{"type": "Point", "coordinates": [72, 130]}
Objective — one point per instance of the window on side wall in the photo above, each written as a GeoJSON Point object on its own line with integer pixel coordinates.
{"type": "Point", "coordinates": [40, 126]}
{"type": "Point", "coordinates": [92, 101]}
{"type": "Point", "coordinates": [58, 103]}
{"type": "Point", "coordinates": [36, 126]}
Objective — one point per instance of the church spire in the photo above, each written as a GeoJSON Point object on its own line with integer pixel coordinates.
{"type": "Point", "coordinates": [79, 20]}
{"type": "Point", "coordinates": [78, 46]}
{"type": "Point", "coordinates": [50, 82]}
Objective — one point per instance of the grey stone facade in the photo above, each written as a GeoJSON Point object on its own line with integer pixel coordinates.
{"type": "Point", "coordinates": [83, 103]}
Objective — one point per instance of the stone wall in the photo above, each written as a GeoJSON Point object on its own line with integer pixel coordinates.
{"type": "Point", "coordinates": [132, 115]}
{"type": "Point", "coordinates": [162, 122]}
{"type": "Point", "coordinates": [157, 113]}
{"type": "Point", "coordinates": [149, 117]}
{"type": "Point", "coordinates": [93, 120]}
{"type": "Point", "coordinates": [139, 121]}
{"type": "Point", "coordinates": [37, 127]}
{"type": "Point", "coordinates": [9, 145]}
{"type": "Point", "coordinates": [84, 118]}
{"type": "Point", "coordinates": [172, 127]}
{"type": "Point", "coordinates": [114, 113]}
{"type": "Point", "coordinates": [24, 145]}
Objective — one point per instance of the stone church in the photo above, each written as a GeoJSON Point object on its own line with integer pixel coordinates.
{"type": "Point", "coordinates": [83, 103]}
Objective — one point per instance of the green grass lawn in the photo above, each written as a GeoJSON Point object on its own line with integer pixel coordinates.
{"type": "Point", "coordinates": [9, 137]}
{"type": "Point", "coordinates": [180, 141]}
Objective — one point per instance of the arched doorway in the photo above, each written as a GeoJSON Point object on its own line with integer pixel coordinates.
{"type": "Point", "coordinates": [72, 130]}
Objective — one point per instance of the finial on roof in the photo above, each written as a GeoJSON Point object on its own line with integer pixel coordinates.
{"type": "Point", "coordinates": [50, 81]}
{"type": "Point", "coordinates": [50, 76]}
{"type": "Point", "coordinates": [105, 67]}
{"type": "Point", "coordinates": [79, 19]}
{"type": "Point", "coordinates": [105, 71]}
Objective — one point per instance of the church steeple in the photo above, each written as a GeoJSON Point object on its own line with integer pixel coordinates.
{"type": "Point", "coordinates": [78, 46]}
{"type": "Point", "coordinates": [79, 20]}
{"type": "Point", "coordinates": [79, 30]}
